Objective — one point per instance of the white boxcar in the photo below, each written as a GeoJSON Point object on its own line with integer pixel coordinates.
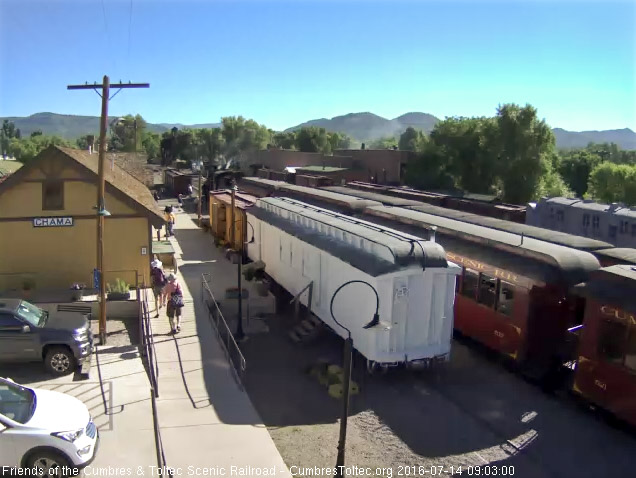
{"type": "Point", "coordinates": [300, 243]}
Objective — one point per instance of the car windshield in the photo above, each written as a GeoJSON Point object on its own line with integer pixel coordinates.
{"type": "Point", "coordinates": [16, 402]}
{"type": "Point", "coordinates": [30, 313]}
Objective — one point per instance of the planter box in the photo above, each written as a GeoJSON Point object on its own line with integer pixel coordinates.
{"type": "Point", "coordinates": [118, 296]}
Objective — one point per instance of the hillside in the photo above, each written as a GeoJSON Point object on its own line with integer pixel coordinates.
{"type": "Point", "coordinates": [72, 126]}
{"type": "Point", "coordinates": [367, 126]}
{"type": "Point", "coordinates": [360, 126]}
{"type": "Point", "coordinates": [625, 138]}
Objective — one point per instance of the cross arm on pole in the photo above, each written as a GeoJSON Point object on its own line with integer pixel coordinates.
{"type": "Point", "coordinates": [112, 85]}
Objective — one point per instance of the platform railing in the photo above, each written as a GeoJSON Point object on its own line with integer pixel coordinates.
{"type": "Point", "coordinates": [230, 347]}
{"type": "Point", "coordinates": [148, 347]}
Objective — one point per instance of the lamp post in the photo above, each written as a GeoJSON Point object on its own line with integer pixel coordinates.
{"type": "Point", "coordinates": [348, 348]}
{"type": "Point", "coordinates": [239, 335]}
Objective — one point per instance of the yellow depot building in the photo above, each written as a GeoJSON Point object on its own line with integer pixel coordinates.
{"type": "Point", "coordinates": [48, 223]}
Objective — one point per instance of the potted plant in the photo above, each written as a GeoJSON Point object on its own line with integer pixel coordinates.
{"type": "Point", "coordinates": [78, 291]}
{"type": "Point", "coordinates": [118, 291]}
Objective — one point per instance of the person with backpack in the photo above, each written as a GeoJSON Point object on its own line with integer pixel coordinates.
{"type": "Point", "coordinates": [173, 299]}
{"type": "Point", "coordinates": [158, 282]}
{"type": "Point", "coordinates": [170, 220]}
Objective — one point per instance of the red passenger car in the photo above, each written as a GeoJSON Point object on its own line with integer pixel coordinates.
{"type": "Point", "coordinates": [513, 295]}
{"type": "Point", "coordinates": [606, 369]}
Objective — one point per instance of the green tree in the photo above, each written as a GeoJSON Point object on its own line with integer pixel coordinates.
{"type": "Point", "coordinates": [243, 135]}
{"type": "Point", "coordinates": [211, 142]}
{"type": "Point", "coordinates": [313, 140]}
{"type": "Point", "coordinates": [338, 140]}
{"type": "Point", "coordinates": [26, 149]}
{"type": "Point", "coordinates": [127, 133]}
{"type": "Point", "coordinates": [575, 167]}
{"type": "Point", "coordinates": [6, 134]}
{"type": "Point", "coordinates": [152, 144]}
{"type": "Point", "coordinates": [430, 169]}
{"type": "Point", "coordinates": [470, 148]}
{"type": "Point", "coordinates": [285, 140]}
{"type": "Point", "coordinates": [36, 133]}
{"type": "Point", "coordinates": [524, 145]}
{"type": "Point", "coordinates": [388, 142]}
{"type": "Point", "coordinates": [613, 183]}
{"type": "Point", "coordinates": [411, 140]}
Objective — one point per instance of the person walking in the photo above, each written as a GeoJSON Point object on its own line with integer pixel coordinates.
{"type": "Point", "coordinates": [158, 282]}
{"type": "Point", "coordinates": [170, 220]}
{"type": "Point", "coordinates": [173, 300]}
{"type": "Point", "coordinates": [190, 189]}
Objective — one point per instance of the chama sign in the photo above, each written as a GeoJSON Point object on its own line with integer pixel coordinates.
{"type": "Point", "coordinates": [52, 221]}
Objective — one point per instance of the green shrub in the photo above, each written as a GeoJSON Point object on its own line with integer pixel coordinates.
{"type": "Point", "coordinates": [119, 287]}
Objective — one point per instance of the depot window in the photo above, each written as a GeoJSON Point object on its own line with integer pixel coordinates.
{"type": "Point", "coordinates": [52, 195]}
{"type": "Point", "coordinates": [470, 283]}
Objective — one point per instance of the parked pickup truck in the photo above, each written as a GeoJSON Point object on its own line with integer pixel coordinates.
{"type": "Point", "coordinates": [29, 334]}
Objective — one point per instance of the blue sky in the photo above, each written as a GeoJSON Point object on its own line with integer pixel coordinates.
{"type": "Point", "coordinates": [282, 63]}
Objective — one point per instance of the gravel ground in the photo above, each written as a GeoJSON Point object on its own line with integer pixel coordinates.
{"type": "Point", "coordinates": [119, 332]}
{"type": "Point", "coordinates": [470, 412]}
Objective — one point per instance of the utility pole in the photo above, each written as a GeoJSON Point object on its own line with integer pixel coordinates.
{"type": "Point", "coordinates": [101, 209]}
{"type": "Point", "coordinates": [200, 176]}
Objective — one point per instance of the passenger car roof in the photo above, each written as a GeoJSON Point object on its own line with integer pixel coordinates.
{"type": "Point", "coordinates": [573, 265]}
{"type": "Point", "coordinates": [561, 238]}
{"type": "Point", "coordinates": [623, 254]}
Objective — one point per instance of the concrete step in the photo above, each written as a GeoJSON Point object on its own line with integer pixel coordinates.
{"type": "Point", "coordinates": [313, 318]}
{"type": "Point", "coordinates": [301, 331]}
{"type": "Point", "coordinates": [307, 325]}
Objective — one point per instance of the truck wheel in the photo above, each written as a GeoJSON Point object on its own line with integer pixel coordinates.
{"type": "Point", "coordinates": [52, 464]}
{"type": "Point", "coordinates": [59, 361]}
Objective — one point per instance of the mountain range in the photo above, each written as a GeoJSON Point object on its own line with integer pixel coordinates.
{"type": "Point", "coordinates": [359, 126]}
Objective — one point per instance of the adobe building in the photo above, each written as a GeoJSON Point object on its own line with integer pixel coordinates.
{"type": "Point", "coordinates": [381, 166]}
{"type": "Point", "coordinates": [48, 223]}
{"type": "Point", "coordinates": [385, 166]}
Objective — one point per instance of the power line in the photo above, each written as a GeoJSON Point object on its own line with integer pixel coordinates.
{"type": "Point", "coordinates": [105, 22]}
{"type": "Point", "coordinates": [129, 29]}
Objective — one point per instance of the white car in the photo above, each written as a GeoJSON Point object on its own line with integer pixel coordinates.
{"type": "Point", "coordinates": [42, 429]}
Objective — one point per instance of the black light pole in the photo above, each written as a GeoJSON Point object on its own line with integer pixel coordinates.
{"type": "Point", "coordinates": [348, 348]}
{"type": "Point", "coordinates": [239, 335]}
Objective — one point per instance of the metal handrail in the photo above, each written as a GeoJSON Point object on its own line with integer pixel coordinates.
{"type": "Point", "coordinates": [161, 456]}
{"type": "Point", "coordinates": [229, 344]}
{"type": "Point", "coordinates": [149, 344]}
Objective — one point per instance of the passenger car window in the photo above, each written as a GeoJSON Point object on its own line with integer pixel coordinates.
{"type": "Point", "coordinates": [611, 341]}
{"type": "Point", "coordinates": [505, 298]}
{"type": "Point", "coordinates": [470, 283]}
{"type": "Point", "coordinates": [630, 349]}
{"type": "Point", "coordinates": [487, 290]}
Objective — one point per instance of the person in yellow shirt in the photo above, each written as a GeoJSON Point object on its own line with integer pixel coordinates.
{"type": "Point", "coordinates": [170, 220]}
